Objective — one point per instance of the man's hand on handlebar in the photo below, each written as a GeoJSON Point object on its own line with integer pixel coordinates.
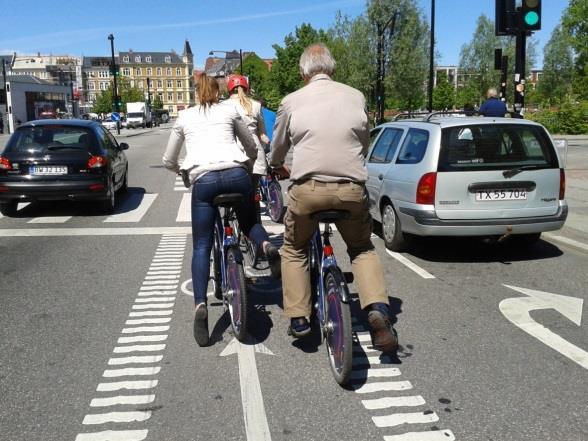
{"type": "Point", "coordinates": [281, 172]}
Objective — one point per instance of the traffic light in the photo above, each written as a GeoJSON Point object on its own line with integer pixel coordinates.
{"type": "Point", "coordinates": [117, 103]}
{"type": "Point", "coordinates": [530, 15]}
{"type": "Point", "coordinates": [115, 70]}
{"type": "Point", "coordinates": [505, 14]}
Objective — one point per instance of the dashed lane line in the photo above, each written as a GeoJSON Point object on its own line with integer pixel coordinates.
{"type": "Point", "coordinates": [411, 265]}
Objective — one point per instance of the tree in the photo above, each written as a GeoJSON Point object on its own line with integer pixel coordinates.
{"type": "Point", "coordinates": [443, 93]}
{"type": "Point", "coordinates": [103, 103]}
{"type": "Point", "coordinates": [575, 23]}
{"type": "Point", "coordinates": [157, 103]}
{"type": "Point", "coordinates": [558, 68]}
{"type": "Point", "coordinates": [258, 73]}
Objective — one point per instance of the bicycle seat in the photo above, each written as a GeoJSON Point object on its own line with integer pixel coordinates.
{"type": "Point", "coordinates": [330, 216]}
{"type": "Point", "coordinates": [227, 199]}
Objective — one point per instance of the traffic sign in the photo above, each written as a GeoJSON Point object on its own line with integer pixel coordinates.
{"type": "Point", "coordinates": [115, 116]}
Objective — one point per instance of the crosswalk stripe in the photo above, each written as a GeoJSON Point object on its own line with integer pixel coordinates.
{"type": "Point", "coordinates": [127, 385]}
{"type": "Point", "coordinates": [114, 435]}
{"type": "Point", "coordinates": [380, 372]}
{"type": "Point", "coordinates": [122, 399]}
{"type": "Point", "coordinates": [49, 220]}
{"type": "Point", "coordinates": [117, 417]}
{"type": "Point", "coordinates": [384, 403]}
{"type": "Point", "coordinates": [397, 419]}
{"type": "Point", "coordinates": [433, 435]}
{"type": "Point", "coordinates": [129, 211]}
{"type": "Point", "coordinates": [383, 386]}
{"type": "Point", "coordinates": [184, 212]}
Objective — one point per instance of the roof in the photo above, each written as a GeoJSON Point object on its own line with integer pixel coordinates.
{"type": "Point", "coordinates": [28, 79]}
{"type": "Point", "coordinates": [61, 122]}
{"type": "Point", "coordinates": [156, 57]}
{"type": "Point", "coordinates": [187, 48]}
{"type": "Point", "coordinates": [98, 61]}
{"type": "Point", "coordinates": [458, 120]}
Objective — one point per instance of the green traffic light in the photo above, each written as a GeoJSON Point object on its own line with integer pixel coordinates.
{"type": "Point", "coordinates": [531, 18]}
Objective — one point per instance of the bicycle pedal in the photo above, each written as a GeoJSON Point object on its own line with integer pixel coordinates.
{"type": "Point", "coordinates": [348, 276]}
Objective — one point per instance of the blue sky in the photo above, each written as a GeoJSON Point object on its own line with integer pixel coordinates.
{"type": "Point", "coordinates": [81, 27]}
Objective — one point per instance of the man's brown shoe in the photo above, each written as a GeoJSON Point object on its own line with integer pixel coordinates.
{"type": "Point", "coordinates": [384, 336]}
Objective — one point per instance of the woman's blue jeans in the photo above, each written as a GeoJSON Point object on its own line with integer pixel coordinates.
{"type": "Point", "coordinates": [204, 190]}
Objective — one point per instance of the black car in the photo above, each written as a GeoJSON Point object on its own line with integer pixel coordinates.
{"type": "Point", "coordinates": [62, 160]}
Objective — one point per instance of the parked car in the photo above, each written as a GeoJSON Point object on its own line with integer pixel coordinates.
{"type": "Point", "coordinates": [109, 124]}
{"type": "Point", "coordinates": [62, 160]}
{"type": "Point", "coordinates": [468, 176]}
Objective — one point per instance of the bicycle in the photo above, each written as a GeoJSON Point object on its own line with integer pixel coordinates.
{"type": "Point", "coordinates": [227, 264]}
{"type": "Point", "coordinates": [330, 297]}
{"type": "Point", "coordinates": [270, 192]}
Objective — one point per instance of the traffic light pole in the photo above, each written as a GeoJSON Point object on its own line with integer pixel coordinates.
{"type": "Point", "coordinates": [519, 76]}
{"type": "Point", "coordinates": [115, 91]}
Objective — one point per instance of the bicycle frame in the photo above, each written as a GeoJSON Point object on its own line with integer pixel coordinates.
{"type": "Point", "coordinates": [225, 233]}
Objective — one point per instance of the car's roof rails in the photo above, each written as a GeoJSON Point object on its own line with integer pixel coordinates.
{"type": "Point", "coordinates": [451, 112]}
{"type": "Point", "coordinates": [409, 115]}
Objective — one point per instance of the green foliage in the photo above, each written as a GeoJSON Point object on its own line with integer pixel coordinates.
{"type": "Point", "coordinates": [103, 103]}
{"type": "Point", "coordinates": [157, 103]}
{"type": "Point", "coordinates": [258, 73]}
{"type": "Point", "coordinates": [570, 119]}
{"type": "Point", "coordinates": [575, 24]}
{"type": "Point", "coordinates": [443, 93]}
{"type": "Point", "coordinates": [555, 85]}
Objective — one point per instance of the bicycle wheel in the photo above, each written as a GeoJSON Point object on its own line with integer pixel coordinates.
{"type": "Point", "coordinates": [275, 201]}
{"type": "Point", "coordinates": [314, 268]}
{"type": "Point", "coordinates": [338, 326]}
{"type": "Point", "coordinates": [236, 293]}
{"type": "Point", "coordinates": [216, 266]}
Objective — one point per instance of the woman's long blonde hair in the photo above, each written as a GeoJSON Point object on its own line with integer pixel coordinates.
{"type": "Point", "coordinates": [207, 90]}
{"type": "Point", "coordinates": [245, 100]}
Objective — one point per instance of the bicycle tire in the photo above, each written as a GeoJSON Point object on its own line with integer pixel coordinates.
{"type": "Point", "coordinates": [236, 292]}
{"type": "Point", "coordinates": [216, 266]}
{"type": "Point", "coordinates": [314, 268]}
{"type": "Point", "coordinates": [275, 203]}
{"type": "Point", "coordinates": [338, 338]}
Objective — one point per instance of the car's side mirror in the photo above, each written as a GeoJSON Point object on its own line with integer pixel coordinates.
{"type": "Point", "coordinates": [123, 146]}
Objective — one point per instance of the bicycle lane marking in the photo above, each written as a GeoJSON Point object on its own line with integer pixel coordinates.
{"type": "Point", "coordinates": [139, 352]}
{"type": "Point", "coordinates": [375, 375]}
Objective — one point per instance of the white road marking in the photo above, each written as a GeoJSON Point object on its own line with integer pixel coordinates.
{"type": "Point", "coordinates": [137, 359]}
{"type": "Point", "coordinates": [122, 399]}
{"type": "Point", "coordinates": [372, 360]}
{"type": "Point", "coordinates": [113, 435]}
{"type": "Point", "coordinates": [362, 348]}
{"type": "Point", "coordinates": [158, 292]}
{"type": "Point", "coordinates": [49, 220]}
{"type": "Point", "coordinates": [159, 287]}
{"type": "Point", "coordinates": [128, 211]}
{"type": "Point", "coordinates": [142, 338]}
{"type": "Point", "coordinates": [517, 310]}
{"type": "Point", "coordinates": [397, 419]}
{"type": "Point", "coordinates": [256, 426]}
{"type": "Point", "coordinates": [383, 386]}
{"type": "Point", "coordinates": [386, 402]}
{"type": "Point", "coordinates": [138, 348]}
{"type": "Point", "coordinates": [185, 210]}
{"type": "Point", "coordinates": [145, 329]}
{"type": "Point", "coordinates": [126, 372]}
{"type": "Point", "coordinates": [165, 277]}
{"type": "Point", "coordinates": [567, 241]}
{"type": "Point", "coordinates": [149, 313]}
{"type": "Point", "coordinates": [127, 385]}
{"type": "Point", "coordinates": [155, 299]}
{"type": "Point", "coordinates": [154, 306]}
{"type": "Point", "coordinates": [374, 373]}
{"type": "Point", "coordinates": [364, 337]}
{"type": "Point", "coordinates": [411, 265]}
{"type": "Point", "coordinates": [433, 435]}
{"type": "Point", "coordinates": [157, 273]}
{"type": "Point", "coordinates": [148, 321]}
{"type": "Point", "coordinates": [56, 232]}
{"type": "Point", "coordinates": [116, 417]}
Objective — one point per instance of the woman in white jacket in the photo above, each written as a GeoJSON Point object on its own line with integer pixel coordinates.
{"type": "Point", "coordinates": [216, 165]}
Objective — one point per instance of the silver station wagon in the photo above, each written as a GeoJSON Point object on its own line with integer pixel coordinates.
{"type": "Point", "coordinates": [465, 176]}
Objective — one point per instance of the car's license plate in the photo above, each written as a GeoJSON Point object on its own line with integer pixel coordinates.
{"type": "Point", "coordinates": [45, 170]}
{"type": "Point", "coordinates": [501, 195]}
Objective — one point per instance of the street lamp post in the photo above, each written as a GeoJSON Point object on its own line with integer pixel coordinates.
{"type": "Point", "coordinates": [149, 92]}
{"type": "Point", "coordinates": [5, 93]}
{"type": "Point", "coordinates": [232, 52]}
{"type": "Point", "coordinates": [115, 90]}
{"type": "Point", "coordinates": [381, 67]}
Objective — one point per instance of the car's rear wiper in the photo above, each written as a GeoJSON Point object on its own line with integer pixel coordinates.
{"type": "Point", "coordinates": [515, 171]}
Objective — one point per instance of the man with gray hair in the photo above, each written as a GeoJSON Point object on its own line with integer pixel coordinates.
{"type": "Point", "coordinates": [326, 124]}
{"type": "Point", "coordinates": [493, 106]}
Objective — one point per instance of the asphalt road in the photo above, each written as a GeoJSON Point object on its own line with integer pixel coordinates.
{"type": "Point", "coordinates": [96, 334]}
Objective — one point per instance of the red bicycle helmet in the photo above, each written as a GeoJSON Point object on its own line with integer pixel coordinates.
{"type": "Point", "coordinates": [237, 80]}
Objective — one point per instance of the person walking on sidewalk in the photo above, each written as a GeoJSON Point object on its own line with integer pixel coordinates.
{"type": "Point", "coordinates": [216, 165]}
{"type": "Point", "coordinates": [328, 173]}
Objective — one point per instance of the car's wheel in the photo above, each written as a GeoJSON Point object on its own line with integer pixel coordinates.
{"type": "Point", "coordinates": [108, 204]}
{"type": "Point", "coordinates": [394, 238]}
{"type": "Point", "coordinates": [125, 184]}
{"type": "Point", "coordinates": [8, 208]}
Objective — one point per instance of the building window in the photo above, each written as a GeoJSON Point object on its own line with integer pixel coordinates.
{"type": "Point", "coordinates": [179, 83]}
{"type": "Point", "coordinates": [91, 85]}
{"type": "Point", "coordinates": [126, 59]}
{"type": "Point", "coordinates": [91, 97]}
{"type": "Point", "coordinates": [103, 74]}
{"type": "Point", "coordinates": [178, 71]}
{"type": "Point", "coordinates": [168, 71]}
{"type": "Point", "coordinates": [159, 71]}
{"type": "Point", "coordinates": [126, 71]}
{"type": "Point", "coordinates": [170, 84]}
{"type": "Point", "coordinates": [138, 71]}
{"type": "Point", "coordinates": [148, 59]}
{"type": "Point", "coordinates": [159, 84]}
{"type": "Point", "coordinates": [160, 96]}
{"type": "Point", "coordinates": [180, 96]}
{"type": "Point", "coordinates": [170, 96]}
{"type": "Point", "coordinates": [140, 84]}
{"type": "Point", "coordinates": [138, 59]}
{"type": "Point", "coordinates": [103, 85]}
{"type": "Point", "coordinates": [149, 71]}
{"type": "Point", "coordinates": [92, 74]}
{"type": "Point", "coordinates": [167, 59]}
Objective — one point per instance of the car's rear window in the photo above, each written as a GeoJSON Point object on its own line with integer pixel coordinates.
{"type": "Point", "coordinates": [495, 147]}
{"type": "Point", "coordinates": [41, 139]}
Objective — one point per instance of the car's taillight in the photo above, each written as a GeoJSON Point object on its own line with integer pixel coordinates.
{"type": "Point", "coordinates": [97, 161]}
{"type": "Point", "coordinates": [425, 193]}
{"type": "Point", "coordinates": [5, 163]}
{"type": "Point", "coordinates": [562, 184]}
